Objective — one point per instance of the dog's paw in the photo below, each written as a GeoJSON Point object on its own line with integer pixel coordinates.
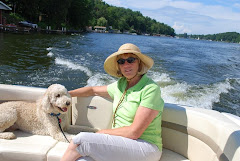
{"type": "Point", "coordinates": [7, 135]}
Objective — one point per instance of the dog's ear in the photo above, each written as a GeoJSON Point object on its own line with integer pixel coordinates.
{"type": "Point", "coordinates": [45, 103]}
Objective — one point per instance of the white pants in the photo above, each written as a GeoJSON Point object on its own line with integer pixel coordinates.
{"type": "Point", "coordinates": [104, 147]}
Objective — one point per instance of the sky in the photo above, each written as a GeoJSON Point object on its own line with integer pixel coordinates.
{"type": "Point", "coordinates": [189, 16]}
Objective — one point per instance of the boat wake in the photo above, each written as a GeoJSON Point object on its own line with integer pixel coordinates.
{"type": "Point", "coordinates": [69, 64]}
{"type": "Point", "coordinates": [201, 96]}
{"type": "Point", "coordinates": [73, 66]}
{"type": "Point", "coordinates": [205, 96]}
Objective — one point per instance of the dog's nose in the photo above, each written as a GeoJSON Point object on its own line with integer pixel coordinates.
{"type": "Point", "coordinates": [67, 103]}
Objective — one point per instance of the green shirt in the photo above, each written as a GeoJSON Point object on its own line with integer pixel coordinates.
{"type": "Point", "coordinates": [145, 93]}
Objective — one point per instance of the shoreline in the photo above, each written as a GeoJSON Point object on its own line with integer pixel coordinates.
{"type": "Point", "coordinates": [28, 30]}
{"type": "Point", "coordinates": [22, 30]}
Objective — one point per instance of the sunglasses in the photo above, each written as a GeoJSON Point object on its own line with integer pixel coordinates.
{"type": "Point", "coordinates": [129, 60]}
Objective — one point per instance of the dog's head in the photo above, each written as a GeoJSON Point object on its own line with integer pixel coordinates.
{"type": "Point", "coordinates": [56, 99]}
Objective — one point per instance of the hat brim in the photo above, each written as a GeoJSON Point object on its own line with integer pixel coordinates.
{"type": "Point", "coordinates": [111, 61]}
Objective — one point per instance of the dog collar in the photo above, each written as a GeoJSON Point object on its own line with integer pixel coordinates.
{"type": "Point", "coordinates": [59, 123]}
{"type": "Point", "coordinates": [53, 114]}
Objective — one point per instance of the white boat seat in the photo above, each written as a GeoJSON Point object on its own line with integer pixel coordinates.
{"type": "Point", "coordinates": [30, 147]}
{"type": "Point", "coordinates": [26, 147]}
{"type": "Point", "coordinates": [189, 133]}
{"type": "Point", "coordinates": [168, 155]}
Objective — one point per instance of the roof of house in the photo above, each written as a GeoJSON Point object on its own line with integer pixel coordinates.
{"type": "Point", "coordinates": [100, 27]}
{"type": "Point", "coordinates": [3, 6]}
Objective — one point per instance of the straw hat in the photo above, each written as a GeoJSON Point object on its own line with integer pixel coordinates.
{"type": "Point", "coordinates": [110, 64]}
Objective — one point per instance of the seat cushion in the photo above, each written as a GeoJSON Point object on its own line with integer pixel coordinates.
{"type": "Point", "coordinates": [26, 147]}
{"type": "Point", "coordinates": [56, 153]}
{"type": "Point", "coordinates": [30, 147]}
{"type": "Point", "coordinates": [168, 155]}
{"type": "Point", "coordinates": [58, 150]}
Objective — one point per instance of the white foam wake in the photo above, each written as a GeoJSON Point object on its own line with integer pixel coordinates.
{"type": "Point", "coordinates": [49, 48]}
{"type": "Point", "coordinates": [100, 79]}
{"type": "Point", "coordinates": [50, 54]}
{"type": "Point", "coordinates": [73, 66]}
{"type": "Point", "coordinates": [201, 96]}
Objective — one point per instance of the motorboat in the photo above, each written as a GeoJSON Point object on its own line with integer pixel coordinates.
{"type": "Point", "coordinates": [188, 133]}
{"type": "Point", "coordinates": [27, 24]}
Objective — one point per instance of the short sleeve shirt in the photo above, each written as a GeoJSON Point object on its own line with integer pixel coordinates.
{"type": "Point", "coordinates": [145, 93]}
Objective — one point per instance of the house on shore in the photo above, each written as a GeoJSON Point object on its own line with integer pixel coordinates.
{"type": "Point", "coordinates": [101, 29]}
{"type": "Point", "coordinates": [3, 6]}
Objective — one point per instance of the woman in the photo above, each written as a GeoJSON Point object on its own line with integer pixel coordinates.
{"type": "Point", "coordinates": [137, 106]}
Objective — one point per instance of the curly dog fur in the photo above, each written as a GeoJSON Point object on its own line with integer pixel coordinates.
{"type": "Point", "coordinates": [36, 117]}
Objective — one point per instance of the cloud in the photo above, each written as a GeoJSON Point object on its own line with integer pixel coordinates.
{"type": "Point", "coordinates": [237, 5]}
{"type": "Point", "coordinates": [181, 28]}
{"type": "Point", "coordinates": [191, 17]}
{"type": "Point", "coordinates": [185, 21]}
{"type": "Point", "coordinates": [214, 11]}
{"type": "Point", "coordinates": [118, 3]}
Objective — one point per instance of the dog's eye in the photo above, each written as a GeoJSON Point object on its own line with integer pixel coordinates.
{"type": "Point", "coordinates": [58, 95]}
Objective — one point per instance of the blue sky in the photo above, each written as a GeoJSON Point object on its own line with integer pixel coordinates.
{"type": "Point", "coordinates": [189, 16]}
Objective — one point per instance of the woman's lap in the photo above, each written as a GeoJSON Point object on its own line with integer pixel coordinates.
{"type": "Point", "coordinates": [104, 147]}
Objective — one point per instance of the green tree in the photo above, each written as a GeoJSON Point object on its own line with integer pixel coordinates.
{"type": "Point", "coordinates": [126, 19]}
{"type": "Point", "coordinates": [54, 14]}
{"type": "Point", "coordinates": [102, 21]}
{"type": "Point", "coordinates": [80, 13]}
{"type": "Point", "coordinates": [228, 37]}
{"type": "Point", "coordinates": [122, 25]}
{"type": "Point", "coordinates": [77, 14]}
{"type": "Point", "coordinates": [29, 9]}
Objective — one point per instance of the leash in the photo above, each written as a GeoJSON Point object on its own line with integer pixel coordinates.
{"type": "Point", "coordinates": [59, 124]}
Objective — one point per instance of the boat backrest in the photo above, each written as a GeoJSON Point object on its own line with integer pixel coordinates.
{"type": "Point", "coordinates": [20, 93]}
{"type": "Point", "coordinates": [92, 112]}
{"type": "Point", "coordinates": [200, 134]}
{"type": "Point", "coordinates": [86, 111]}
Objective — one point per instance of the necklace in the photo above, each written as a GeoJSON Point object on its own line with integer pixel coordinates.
{"type": "Point", "coordinates": [120, 101]}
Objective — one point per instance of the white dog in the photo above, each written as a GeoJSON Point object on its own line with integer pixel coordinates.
{"type": "Point", "coordinates": [41, 117]}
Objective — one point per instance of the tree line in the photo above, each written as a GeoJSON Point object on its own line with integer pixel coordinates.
{"type": "Point", "coordinates": [77, 14]}
{"type": "Point", "coordinates": [232, 37]}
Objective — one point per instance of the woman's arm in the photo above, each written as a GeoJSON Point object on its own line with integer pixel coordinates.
{"type": "Point", "coordinates": [90, 91]}
{"type": "Point", "coordinates": [144, 116]}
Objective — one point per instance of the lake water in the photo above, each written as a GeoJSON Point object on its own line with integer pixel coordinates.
{"type": "Point", "coordinates": [198, 73]}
